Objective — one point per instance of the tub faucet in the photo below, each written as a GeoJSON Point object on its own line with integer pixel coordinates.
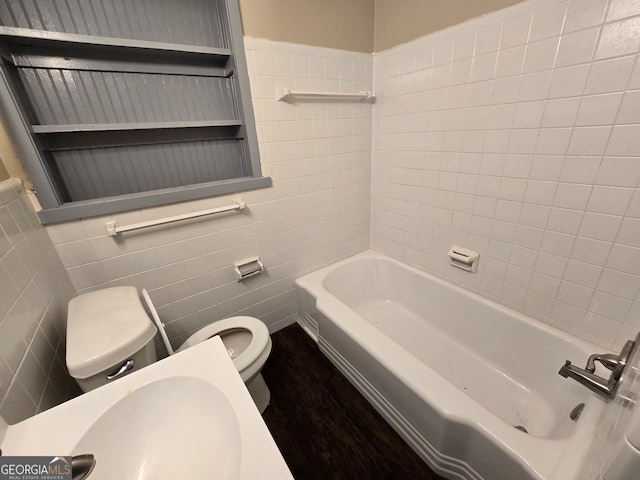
{"type": "Point", "coordinates": [604, 387]}
{"type": "Point", "coordinates": [593, 382]}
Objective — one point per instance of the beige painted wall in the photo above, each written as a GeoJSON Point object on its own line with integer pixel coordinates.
{"type": "Point", "coordinates": [399, 21]}
{"type": "Point", "coordinates": [3, 173]}
{"type": "Point", "coordinates": [341, 24]}
{"type": "Point", "coordinates": [9, 163]}
{"type": "Point", "coordinates": [357, 25]}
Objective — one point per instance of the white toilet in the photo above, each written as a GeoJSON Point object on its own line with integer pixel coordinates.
{"type": "Point", "coordinates": [109, 335]}
{"type": "Point", "coordinates": [247, 340]}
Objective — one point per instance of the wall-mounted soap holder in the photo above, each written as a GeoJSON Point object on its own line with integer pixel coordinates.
{"type": "Point", "coordinates": [248, 268]}
{"type": "Point", "coordinates": [463, 258]}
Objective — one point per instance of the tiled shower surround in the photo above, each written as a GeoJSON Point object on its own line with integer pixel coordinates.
{"type": "Point", "coordinates": [34, 291]}
{"type": "Point", "coordinates": [518, 135]}
{"type": "Point", "coordinates": [319, 158]}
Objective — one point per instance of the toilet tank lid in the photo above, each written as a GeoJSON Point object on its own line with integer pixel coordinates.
{"type": "Point", "coordinates": [104, 328]}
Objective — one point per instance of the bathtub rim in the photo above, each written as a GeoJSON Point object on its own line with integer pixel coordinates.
{"type": "Point", "coordinates": [315, 278]}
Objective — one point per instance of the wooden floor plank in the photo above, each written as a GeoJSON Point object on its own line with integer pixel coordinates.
{"type": "Point", "coordinates": [324, 428]}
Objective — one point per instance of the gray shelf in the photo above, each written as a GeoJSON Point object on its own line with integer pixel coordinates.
{"type": "Point", "coordinates": [44, 49]}
{"type": "Point", "coordinates": [88, 208]}
{"type": "Point", "coordinates": [112, 127]}
{"type": "Point", "coordinates": [112, 119]}
{"type": "Point", "coordinates": [44, 38]}
{"type": "Point", "coordinates": [57, 138]}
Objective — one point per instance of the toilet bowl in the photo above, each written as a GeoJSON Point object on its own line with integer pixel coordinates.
{"type": "Point", "coordinates": [109, 335]}
{"type": "Point", "coordinates": [246, 339]}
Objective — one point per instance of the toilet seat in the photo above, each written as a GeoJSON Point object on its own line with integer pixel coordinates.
{"type": "Point", "coordinates": [249, 362]}
{"type": "Point", "coordinates": [259, 347]}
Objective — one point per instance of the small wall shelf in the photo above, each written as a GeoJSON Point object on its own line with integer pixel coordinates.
{"type": "Point", "coordinates": [47, 39]}
{"type": "Point", "coordinates": [109, 120]}
{"type": "Point", "coordinates": [77, 137]}
{"type": "Point", "coordinates": [286, 95]}
{"type": "Point", "coordinates": [44, 49]}
{"type": "Point", "coordinates": [113, 127]}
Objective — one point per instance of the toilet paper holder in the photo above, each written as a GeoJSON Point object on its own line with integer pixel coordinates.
{"type": "Point", "coordinates": [248, 268]}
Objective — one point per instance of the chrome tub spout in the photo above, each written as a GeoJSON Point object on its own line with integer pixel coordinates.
{"type": "Point", "coordinates": [593, 382]}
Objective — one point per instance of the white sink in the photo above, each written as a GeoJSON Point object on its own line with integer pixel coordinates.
{"type": "Point", "coordinates": [187, 416]}
{"type": "Point", "coordinates": [161, 427]}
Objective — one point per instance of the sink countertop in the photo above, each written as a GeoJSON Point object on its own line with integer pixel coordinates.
{"type": "Point", "coordinates": [58, 430]}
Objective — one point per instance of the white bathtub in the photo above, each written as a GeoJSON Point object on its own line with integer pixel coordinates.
{"type": "Point", "coordinates": [453, 372]}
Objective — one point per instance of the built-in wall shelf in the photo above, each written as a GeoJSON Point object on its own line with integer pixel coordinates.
{"type": "Point", "coordinates": [43, 38]}
{"type": "Point", "coordinates": [71, 51]}
{"type": "Point", "coordinates": [111, 127]}
{"type": "Point", "coordinates": [84, 136]}
{"type": "Point", "coordinates": [287, 95]}
{"type": "Point", "coordinates": [121, 136]}
{"type": "Point", "coordinates": [142, 104]}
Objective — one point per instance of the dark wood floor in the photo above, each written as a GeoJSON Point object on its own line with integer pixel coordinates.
{"type": "Point", "coordinates": [324, 428]}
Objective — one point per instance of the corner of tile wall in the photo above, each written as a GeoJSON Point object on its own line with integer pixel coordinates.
{"type": "Point", "coordinates": [34, 292]}
{"type": "Point", "coordinates": [517, 134]}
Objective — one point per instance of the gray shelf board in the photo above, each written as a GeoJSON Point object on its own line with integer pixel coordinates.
{"type": "Point", "coordinates": [171, 67]}
{"type": "Point", "coordinates": [121, 138]}
{"type": "Point", "coordinates": [103, 206]}
{"type": "Point", "coordinates": [110, 127]}
{"type": "Point", "coordinates": [20, 37]}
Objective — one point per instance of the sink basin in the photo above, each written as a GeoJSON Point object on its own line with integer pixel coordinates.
{"type": "Point", "coordinates": [154, 431]}
{"type": "Point", "coordinates": [186, 416]}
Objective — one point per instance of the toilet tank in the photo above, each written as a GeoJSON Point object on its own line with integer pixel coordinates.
{"type": "Point", "coordinates": [109, 335]}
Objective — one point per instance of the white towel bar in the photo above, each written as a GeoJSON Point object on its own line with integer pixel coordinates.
{"type": "Point", "coordinates": [114, 229]}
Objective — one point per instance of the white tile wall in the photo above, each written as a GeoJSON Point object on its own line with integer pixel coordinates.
{"type": "Point", "coordinates": [34, 291]}
{"type": "Point", "coordinates": [518, 135]}
{"type": "Point", "coordinates": [318, 155]}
